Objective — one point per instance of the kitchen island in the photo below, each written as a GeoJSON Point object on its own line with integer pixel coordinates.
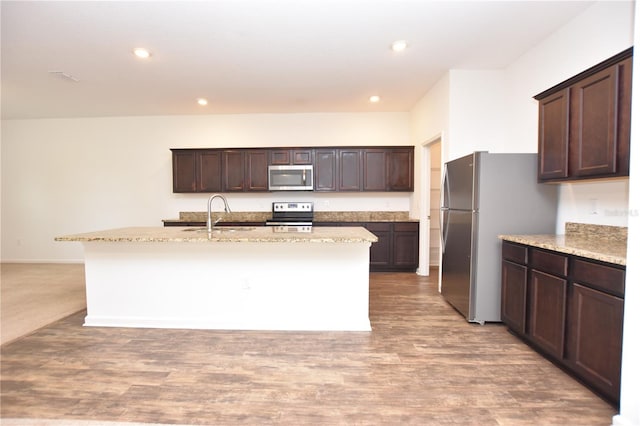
{"type": "Point", "coordinates": [238, 278]}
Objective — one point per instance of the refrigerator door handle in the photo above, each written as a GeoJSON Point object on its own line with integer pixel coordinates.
{"type": "Point", "coordinates": [444, 228]}
{"type": "Point", "coordinates": [445, 198]}
{"type": "Point", "coordinates": [444, 207]}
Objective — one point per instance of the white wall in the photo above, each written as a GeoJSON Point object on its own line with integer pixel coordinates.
{"type": "Point", "coordinates": [429, 120]}
{"type": "Point", "coordinates": [429, 123]}
{"type": "Point", "coordinates": [575, 47]}
{"type": "Point", "coordinates": [62, 176]}
{"type": "Point", "coordinates": [477, 109]}
{"type": "Point", "coordinates": [494, 110]}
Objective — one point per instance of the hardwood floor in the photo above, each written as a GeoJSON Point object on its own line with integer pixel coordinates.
{"type": "Point", "coordinates": [34, 295]}
{"type": "Point", "coordinates": [422, 364]}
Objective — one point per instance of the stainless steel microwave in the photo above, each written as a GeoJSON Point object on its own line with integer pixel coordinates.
{"type": "Point", "coordinates": [291, 178]}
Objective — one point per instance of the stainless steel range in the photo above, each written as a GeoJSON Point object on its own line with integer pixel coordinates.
{"type": "Point", "coordinates": [291, 214]}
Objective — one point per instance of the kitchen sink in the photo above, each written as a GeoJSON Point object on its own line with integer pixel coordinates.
{"type": "Point", "coordinates": [221, 229]}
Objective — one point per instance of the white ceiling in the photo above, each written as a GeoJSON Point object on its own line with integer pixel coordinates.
{"type": "Point", "coordinates": [253, 56]}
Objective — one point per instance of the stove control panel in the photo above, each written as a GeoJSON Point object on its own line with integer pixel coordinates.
{"type": "Point", "coordinates": [306, 207]}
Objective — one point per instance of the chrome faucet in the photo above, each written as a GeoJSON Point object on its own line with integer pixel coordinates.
{"type": "Point", "coordinates": [210, 225]}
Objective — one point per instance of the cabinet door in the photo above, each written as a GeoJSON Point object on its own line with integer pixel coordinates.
{"type": "Point", "coordinates": [184, 171]}
{"type": "Point", "coordinates": [374, 170]}
{"type": "Point", "coordinates": [380, 252]}
{"type": "Point", "coordinates": [547, 315]}
{"type": "Point", "coordinates": [553, 136]}
{"type": "Point", "coordinates": [233, 171]}
{"type": "Point", "coordinates": [291, 156]}
{"type": "Point", "coordinates": [302, 156]}
{"type": "Point", "coordinates": [514, 296]}
{"type": "Point", "coordinates": [405, 245]}
{"type": "Point", "coordinates": [324, 178]}
{"type": "Point", "coordinates": [594, 117]}
{"type": "Point", "coordinates": [280, 157]}
{"type": "Point", "coordinates": [209, 168]}
{"type": "Point", "coordinates": [595, 328]}
{"type": "Point", "coordinates": [349, 170]}
{"type": "Point", "coordinates": [257, 178]}
{"type": "Point", "coordinates": [400, 170]}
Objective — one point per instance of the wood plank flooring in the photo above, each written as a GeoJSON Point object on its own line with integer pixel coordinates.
{"type": "Point", "coordinates": [34, 295]}
{"type": "Point", "coordinates": [422, 364]}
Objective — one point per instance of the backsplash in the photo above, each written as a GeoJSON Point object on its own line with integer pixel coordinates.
{"type": "Point", "coordinates": [359, 216]}
{"type": "Point", "coordinates": [602, 232]}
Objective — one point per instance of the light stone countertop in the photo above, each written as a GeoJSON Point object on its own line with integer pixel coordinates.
{"type": "Point", "coordinates": [597, 242]}
{"type": "Point", "coordinates": [260, 234]}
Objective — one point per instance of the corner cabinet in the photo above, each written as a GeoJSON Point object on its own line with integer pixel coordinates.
{"type": "Point", "coordinates": [585, 122]}
{"type": "Point", "coordinates": [397, 246]}
{"type": "Point", "coordinates": [570, 309]}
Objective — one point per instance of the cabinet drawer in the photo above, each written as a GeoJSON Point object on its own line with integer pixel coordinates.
{"type": "Point", "coordinates": [378, 226]}
{"type": "Point", "coordinates": [406, 226]}
{"type": "Point", "coordinates": [552, 263]}
{"type": "Point", "coordinates": [514, 252]}
{"type": "Point", "coordinates": [602, 277]}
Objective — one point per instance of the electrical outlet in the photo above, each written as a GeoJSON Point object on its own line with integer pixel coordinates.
{"type": "Point", "coordinates": [593, 206]}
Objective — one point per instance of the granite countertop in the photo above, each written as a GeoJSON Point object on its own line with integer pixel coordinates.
{"type": "Point", "coordinates": [598, 242]}
{"type": "Point", "coordinates": [260, 234]}
{"type": "Point", "coordinates": [318, 216]}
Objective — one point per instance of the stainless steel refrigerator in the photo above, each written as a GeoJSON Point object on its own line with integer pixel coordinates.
{"type": "Point", "coordinates": [485, 195]}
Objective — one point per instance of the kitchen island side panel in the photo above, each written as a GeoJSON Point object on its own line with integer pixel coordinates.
{"type": "Point", "coordinates": [242, 286]}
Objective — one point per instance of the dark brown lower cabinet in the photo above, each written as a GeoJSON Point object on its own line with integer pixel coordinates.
{"type": "Point", "coordinates": [547, 311]}
{"type": "Point", "coordinates": [568, 308]}
{"type": "Point", "coordinates": [380, 253]}
{"type": "Point", "coordinates": [514, 295]}
{"type": "Point", "coordinates": [396, 248]}
{"type": "Point", "coordinates": [405, 245]}
{"type": "Point", "coordinates": [596, 338]}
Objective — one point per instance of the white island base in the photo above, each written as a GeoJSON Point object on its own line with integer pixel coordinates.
{"type": "Point", "coordinates": [228, 285]}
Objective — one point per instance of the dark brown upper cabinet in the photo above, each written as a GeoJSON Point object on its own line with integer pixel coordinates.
{"type": "Point", "coordinates": [197, 171]}
{"type": "Point", "coordinates": [184, 170]}
{"type": "Point", "coordinates": [374, 169]}
{"type": "Point", "coordinates": [400, 169]}
{"type": "Point", "coordinates": [324, 170]}
{"type": "Point", "coordinates": [245, 170]}
{"type": "Point", "coordinates": [585, 122]}
{"type": "Point", "coordinates": [387, 169]}
{"type": "Point", "coordinates": [349, 173]}
{"type": "Point", "coordinates": [553, 136]}
{"type": "Point", "coordinates": [284, 156]}
{"type": "Point", "coordinates": [336, 169]}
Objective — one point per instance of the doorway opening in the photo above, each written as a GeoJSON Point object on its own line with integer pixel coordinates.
{"type": "Point", "coordinates": [430, 208]}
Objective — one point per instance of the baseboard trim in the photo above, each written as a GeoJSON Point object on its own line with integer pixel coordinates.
{"type": "Point", "coordinates": [61, 261]}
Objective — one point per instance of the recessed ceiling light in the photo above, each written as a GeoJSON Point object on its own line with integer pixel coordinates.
{"type": "Point", "coordinates": [141, 53]}
{"type": "Point", "coordinates": [399, 45]}
{"type": "Point", "coordinates": [202, 101]}
{"type": "Point", "coordinates": [374, 99]}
